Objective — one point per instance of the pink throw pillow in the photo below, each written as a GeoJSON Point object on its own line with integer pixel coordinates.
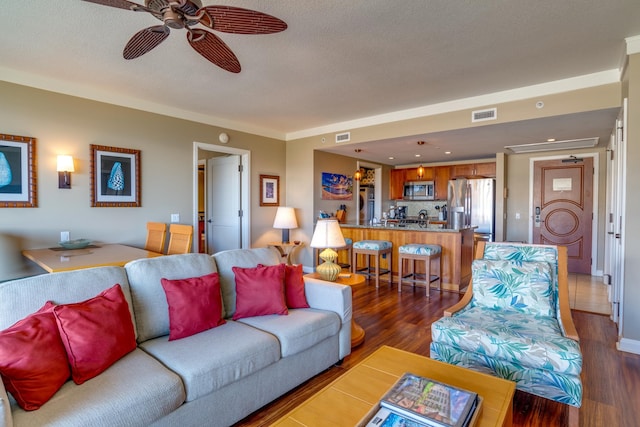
{"type": "Point", "coordinates": [96, 333]}
{"type": "Point", "coordinates": [33, 361]}
{"type": "Point", "coordinates": [294, 286]}
{"type": "Point", "coordinates": [195, 305]}
{"type": "Point", "coordinates": [259, 291]}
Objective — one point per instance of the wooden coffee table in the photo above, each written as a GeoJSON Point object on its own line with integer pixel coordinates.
{"type": "Point", "coordinates": [347, 400]}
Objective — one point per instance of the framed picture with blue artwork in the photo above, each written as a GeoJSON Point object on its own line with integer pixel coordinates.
{"type": "Point", "coordinates": [18, 183]}
{"type": "Point", "coordinates": [115, 177]}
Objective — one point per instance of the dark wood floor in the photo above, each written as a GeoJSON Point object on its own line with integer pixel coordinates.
{"type": "Point", "coordinates": [611, 379]}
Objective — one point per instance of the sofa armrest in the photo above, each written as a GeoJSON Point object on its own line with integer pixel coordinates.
{"type": "Point", "coordinates": [331, 296]}
{"type": "Point", "coordinates": [6, 420]}
{"type": "Point", "coordinates": [466, 300]}
{"type": "Point", "coordinates": [566, 321]}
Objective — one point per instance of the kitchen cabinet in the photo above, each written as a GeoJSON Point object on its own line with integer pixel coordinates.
{"type": "Point", "coordinates": [471, 170]}
{"type": "Point", "coordinates": [441, 178]}
{"type": "Point", "coordinates": [396, 183]}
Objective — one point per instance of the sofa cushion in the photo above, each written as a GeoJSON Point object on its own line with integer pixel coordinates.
{"type": "Point", "coordinates": [300, 330]}
{"type": "Point", "coordinates": [33, 361]}
{"type": "Point", "coordinates": [214, 358]}
{"type": "Point", "coordinates": [149, 300]}
{"type": "Point", "coordinates": [534, 342]}
{"type": "Point", "coordinates": [525, 287]}
{"type": "Point", "coordinates": [96, 332]}
{"type": "Point", "coordinates": [226, 260]}
{"type": "Point", "coordinates": [135, 391]}
{"type": "Point", "coordinates": [195, 305]}
{"type": "Point", "coordinates": [294, 286]}
{"type": "Point", "coordinates": [259, 291]}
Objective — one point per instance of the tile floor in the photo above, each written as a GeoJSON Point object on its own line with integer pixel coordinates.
{"type": "Point", "coordinates": [589, 293]}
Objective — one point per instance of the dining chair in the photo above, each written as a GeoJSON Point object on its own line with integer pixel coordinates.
{"type": "Point", "coordinates": [156, 236]}
{"type": "Point", "coordinates": [180, 237]}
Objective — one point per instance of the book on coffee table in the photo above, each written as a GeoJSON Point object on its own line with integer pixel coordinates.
{"type": "Point", "coordinates": [430, 402]}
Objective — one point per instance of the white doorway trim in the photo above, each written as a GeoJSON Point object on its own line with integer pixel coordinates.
{"type": "Point", "coordinates": [245, 185]}
{"type": "Point", "coordinates": [594, 224]}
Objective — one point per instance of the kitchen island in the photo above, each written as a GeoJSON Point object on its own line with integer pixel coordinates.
{"type": "Point", "coordinates": [457, 248]}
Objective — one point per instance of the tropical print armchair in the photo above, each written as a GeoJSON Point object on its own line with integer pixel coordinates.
{"type": "Point", "coordinates": [514, 322]}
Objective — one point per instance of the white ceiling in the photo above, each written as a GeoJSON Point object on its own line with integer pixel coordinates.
{"type": "Point", "coordinates": [338, 61]}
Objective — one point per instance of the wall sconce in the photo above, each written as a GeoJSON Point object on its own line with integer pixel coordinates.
{"type": "Point", "coordinates": [65, 167]}
{"type": "Point", "coordinates": [420, 172]}
{"type": "Point", "coordinates": [358, 175]}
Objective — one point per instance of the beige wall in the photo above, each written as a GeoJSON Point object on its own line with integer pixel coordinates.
{"type": "Point", "coordinates": [631, 225]}
{"type": "Point", "coordinates": [68, 125]}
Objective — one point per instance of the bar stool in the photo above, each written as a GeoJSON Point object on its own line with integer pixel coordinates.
{"type": "Point", "coordinates": [377, 249]}
{"type": "Point", "coordinates": [419, 252]}
{"type": "Point", "coordinates": [348, 247]}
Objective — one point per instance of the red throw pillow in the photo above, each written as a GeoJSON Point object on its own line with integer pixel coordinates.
{"type": "Point", "coordinates": [33, 362]}
{"type": "Point", "coordinates": [195, 305]}
{"type": "Point", "coordinates": [259, 291]}
{"type": "Point", "coordinates": [96, 332]}
{"type": "Point", "coordinates": [294, 286]}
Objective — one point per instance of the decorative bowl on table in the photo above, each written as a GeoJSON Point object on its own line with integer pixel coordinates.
{"type": "Point", "coordinates": [75, 244]}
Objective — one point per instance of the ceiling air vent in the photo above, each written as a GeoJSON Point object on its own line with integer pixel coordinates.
{"type": "Point", "coordinates": [343, 137]}
{"type": "Point", "coordinates": [483, 115]}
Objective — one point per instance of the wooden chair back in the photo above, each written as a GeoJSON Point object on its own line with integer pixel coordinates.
{"type": "Point", "coordinates": [156, 236]}
{"type": "Point", "coordinates": [180, 238]}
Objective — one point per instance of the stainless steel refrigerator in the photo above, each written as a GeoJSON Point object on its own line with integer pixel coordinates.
{"type": "Point", "coordinates": [471, 202]}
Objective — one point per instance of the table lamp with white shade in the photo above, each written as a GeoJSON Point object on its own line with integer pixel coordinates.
{"type": "Point", "coordinates": [286, 220]}
{"type": "Point", "coordinates": [328, 236]}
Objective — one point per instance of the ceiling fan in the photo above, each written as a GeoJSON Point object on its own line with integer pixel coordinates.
{"type": "Point", "coordinates": [178, 14]}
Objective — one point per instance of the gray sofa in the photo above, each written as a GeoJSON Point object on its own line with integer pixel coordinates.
{"type": "Point", "coordinates": [213, 378]}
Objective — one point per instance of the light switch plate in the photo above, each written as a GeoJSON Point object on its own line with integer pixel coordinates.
{"type": "Point", "coordinates": [175, 217]}
{"type": "Point", "coordinates": [64, 236]}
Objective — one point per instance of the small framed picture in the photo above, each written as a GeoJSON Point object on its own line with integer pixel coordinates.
{"type": "Point", "coordinates": [18, 183]}
{"type": "Point", "coordinates": [115, 177]}
{"type": "Point", "coordinates": [269, 190]}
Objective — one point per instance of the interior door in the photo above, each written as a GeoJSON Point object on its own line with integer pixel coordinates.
{"type": "Point", "coordinates": [224, 210]}
{"type": "Point", "coordinates": [563, 208]}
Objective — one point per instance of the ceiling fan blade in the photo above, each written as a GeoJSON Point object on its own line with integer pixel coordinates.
{"type": "Point", "coordinates": [213, 49]}
{"type": "Point", "coordinates": [121, 4]}
{"type": "Point", "coordinates": [229, 19]}
{"type": "Point", "coordinates": [145, 40]}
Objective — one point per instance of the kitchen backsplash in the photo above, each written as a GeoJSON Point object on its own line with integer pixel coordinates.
{"type": "Point", "coordinates": [413, 207]}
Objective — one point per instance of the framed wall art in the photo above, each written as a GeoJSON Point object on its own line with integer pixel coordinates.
{"type": "Point", "coordinates": [18, 180]}
{"type": "Point", "coordinates": [336, 186]}
{"type": "Point", "coordinates": [269, 190]}
{"type": "Point", "coordinates": [115, 177]}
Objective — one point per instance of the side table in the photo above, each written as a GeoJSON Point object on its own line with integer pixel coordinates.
{"type": "Point", "coordinates": [357, 333]}
{"type": "Point", "coordinates": [285, 249]}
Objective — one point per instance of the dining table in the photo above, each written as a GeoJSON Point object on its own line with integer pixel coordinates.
{"type": "Point", "coordinates": [95, 255]}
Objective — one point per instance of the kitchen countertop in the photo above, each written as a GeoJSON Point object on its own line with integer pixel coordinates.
{"type": "Point", "coordinates": [411, 227]}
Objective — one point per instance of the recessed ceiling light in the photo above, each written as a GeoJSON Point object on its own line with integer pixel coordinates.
{"type": "Point", "coordinates": [417, 155]}
{"type": "Point", "coordinates": [391, 158]}
{"type": "Point", "coordinates": [551, 140]}
{"type": "Point", "coordinates": [447, 152]}
{"type": "Point", "coordinates": [420, 142]}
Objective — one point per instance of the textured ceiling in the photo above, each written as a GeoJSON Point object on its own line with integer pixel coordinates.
{"type": "Point", "coordinates": [337, 61]}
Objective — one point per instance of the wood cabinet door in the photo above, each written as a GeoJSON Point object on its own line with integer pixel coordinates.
{"type": "Point", "coordinates": [462, 171]}
{"type": "Point", "coordinates": [486, 170]}
{"type": "Point", "coordinates": [442, 175]}
{"type": "Point", "coordinates": [396, 184]}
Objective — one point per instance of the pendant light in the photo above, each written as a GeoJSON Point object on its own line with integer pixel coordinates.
{"type": "Point", "coordinates": [358, 175]}
{"type": "Point", "coordinates": [420, 172]}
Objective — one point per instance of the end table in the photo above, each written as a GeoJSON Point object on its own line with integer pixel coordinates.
{"type": "Point", "coordinates": [357, 333]}
{"type": "Point", "coordinates": [285, 249]}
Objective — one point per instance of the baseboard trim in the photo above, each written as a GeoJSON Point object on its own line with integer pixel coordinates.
{"type": "Point", "coordinates": [630, 346]}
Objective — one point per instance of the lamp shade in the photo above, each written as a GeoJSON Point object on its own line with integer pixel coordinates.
{"type": "Point", "coordinates": [65, 164]}
{"type": "Point", "coordinates": [328, 234]}
{"type": "Point", "coordinates": [285, 218]}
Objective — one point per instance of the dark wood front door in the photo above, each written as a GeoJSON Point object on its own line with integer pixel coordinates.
{"type": "Point", "coordinates": [563, 208]}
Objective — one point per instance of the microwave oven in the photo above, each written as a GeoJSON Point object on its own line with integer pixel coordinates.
{"type": "Point", "coordinates": [419, 190]}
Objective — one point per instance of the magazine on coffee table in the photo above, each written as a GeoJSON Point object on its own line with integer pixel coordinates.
{"type": "Point", "coordinates": [430, 402]}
